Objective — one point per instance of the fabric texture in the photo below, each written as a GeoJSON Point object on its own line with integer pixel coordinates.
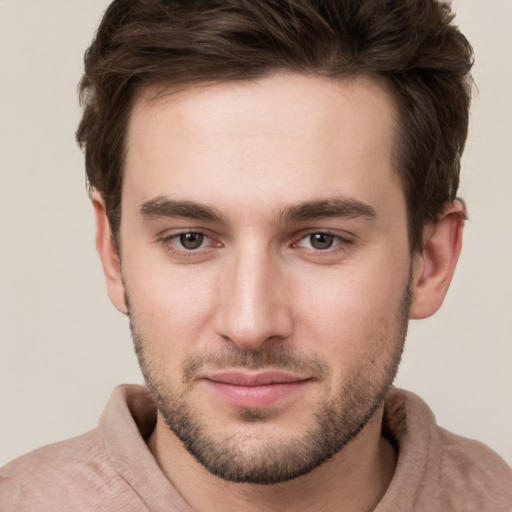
{"type": "Point", "coordinates": [111, 469]}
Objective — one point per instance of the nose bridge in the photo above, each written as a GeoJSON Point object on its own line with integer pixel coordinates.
{"type": "Point", "coordinates": [254, 307]}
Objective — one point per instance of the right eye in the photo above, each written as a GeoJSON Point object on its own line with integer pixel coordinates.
{"type": "Point", "coordinates": [190, 241]}
{"type": "Point", "coordinates": [319, 241]}
{"type": "Point", "coordinates": [186, 245]}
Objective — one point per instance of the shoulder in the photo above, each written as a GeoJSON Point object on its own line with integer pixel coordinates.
{"type": "Point", "coordinates": [70, 475]}
{"type": "Point", "coordinates": [469, 468]}
{"type": "Point", "coordinates": [439, 470]}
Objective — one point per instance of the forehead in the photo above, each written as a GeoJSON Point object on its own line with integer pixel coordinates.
{"type": "Point", "coordinates": [280, 139]}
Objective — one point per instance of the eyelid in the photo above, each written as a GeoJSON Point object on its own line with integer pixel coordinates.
{"type": "Point", "coordinates": [167, 237]}
{"type": "Point", "coordinates": [340, 249]}
{"type": "Point", "coordinates": [169, 233]}
{"type": "Point", "coordinates": [344, 236]}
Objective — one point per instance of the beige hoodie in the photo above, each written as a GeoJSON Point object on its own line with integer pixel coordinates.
{"type": "Point", "coordinates": [111, 469]}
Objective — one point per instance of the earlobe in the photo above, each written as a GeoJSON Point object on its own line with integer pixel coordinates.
{"type": "Point", "coordinates": [435, 265]}
{"type": "Point", "coordinates": [108, 254]}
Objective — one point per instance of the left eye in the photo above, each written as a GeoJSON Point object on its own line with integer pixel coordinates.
{"type": "Point", "coordinates": [319, 241]}
{"type": "Point", "coordinates": [191, 241]}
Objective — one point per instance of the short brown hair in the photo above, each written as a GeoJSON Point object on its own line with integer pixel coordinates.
{"type": "Point", "coordinates": [413, 44]}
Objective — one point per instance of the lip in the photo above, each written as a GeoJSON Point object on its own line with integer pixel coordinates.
{"type": "Point", "coordinates": [254, 390]}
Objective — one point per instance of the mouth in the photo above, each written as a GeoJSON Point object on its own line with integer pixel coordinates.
{"type": "Point", "coordinates": [254, 390]}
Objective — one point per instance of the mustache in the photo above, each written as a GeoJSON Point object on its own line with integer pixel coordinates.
{"type": "Point", "coordinates": [274, 357]}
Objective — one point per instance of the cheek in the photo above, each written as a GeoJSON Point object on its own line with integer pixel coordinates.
{"type": "Point", "coordinates": [171, 308]}
{"type": "Point", "coordinates": [353, 314]}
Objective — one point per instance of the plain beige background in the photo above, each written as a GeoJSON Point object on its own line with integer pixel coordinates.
{"type": "Point", "coordinates": [63, 347]}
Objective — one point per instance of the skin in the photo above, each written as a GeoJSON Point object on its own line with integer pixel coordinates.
{"type": "Point", "coordinates": [251, 152]}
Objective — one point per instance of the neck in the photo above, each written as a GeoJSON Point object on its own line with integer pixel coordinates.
{"type": "Point", "coordinates": [355, 479]}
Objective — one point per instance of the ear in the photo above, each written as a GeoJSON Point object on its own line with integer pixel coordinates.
{"type": "Point", "coordinates": [107, 252]}
{"type": "Point", "coordinates": [435, 264]}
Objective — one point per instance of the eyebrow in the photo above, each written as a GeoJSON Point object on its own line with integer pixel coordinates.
{"type": "Point", "coordinates": [335, 207]}
{"type": "Point", "coordinates": [163, 207]}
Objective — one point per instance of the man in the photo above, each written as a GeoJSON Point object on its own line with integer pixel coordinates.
{"type": "Point", "coordinates": [274, 185]}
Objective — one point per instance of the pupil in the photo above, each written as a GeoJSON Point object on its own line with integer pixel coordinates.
{"type": "Point", "coordinates": [191, 240]}
{"type": "Point", "coordinates": [321, 241]}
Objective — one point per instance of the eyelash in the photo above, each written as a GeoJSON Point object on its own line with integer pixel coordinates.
{"type": "Point", "coordinates": [343, 243]}
{"type": "Point", "coordinates": [183, 253]}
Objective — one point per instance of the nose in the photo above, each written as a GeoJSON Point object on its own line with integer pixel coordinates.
{"type": "Point", "coordinates": [254, 308]}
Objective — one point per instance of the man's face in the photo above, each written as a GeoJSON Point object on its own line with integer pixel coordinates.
{"type": "Point", "coordinates": [266, 265]}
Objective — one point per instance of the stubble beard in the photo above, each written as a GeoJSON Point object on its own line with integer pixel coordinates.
{"type": "Point", "coordinates": [270, 461]}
